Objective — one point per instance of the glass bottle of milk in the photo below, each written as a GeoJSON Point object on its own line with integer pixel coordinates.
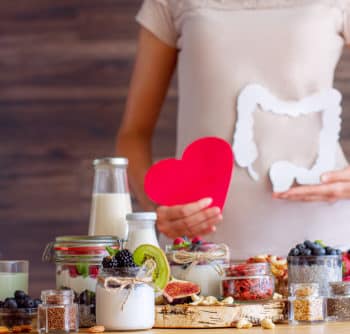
{"type": "Point", "coordinates": [141, 229]}
{"type": "Point", "coordinates": [111, 200]}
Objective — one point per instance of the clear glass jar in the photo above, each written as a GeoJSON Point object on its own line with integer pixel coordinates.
{"type": "Point", "coordinates": [305, 304]}
{"type": "Point", "coordinates": [78, 260]}
{"type": "Point", "coordinates": [315, 269]}
{"type": "Point", "coordinates": [125, 300]}
{"type": "Point", "coordinates": [248, 282]}
{"type": "Point", "coordinates": [338, 303]}
{"type": "Point", "coordinates": [111, 200]}
{"type": "Point", "coordinates": [141, 229]}
{"type": "Point", "coordinates": [58, 313]}
{"type": "Point", "coordinates": [202, 265]}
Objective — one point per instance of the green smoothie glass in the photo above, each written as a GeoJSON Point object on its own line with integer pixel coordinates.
{"type": "Point", "coordinates": [13, 276]}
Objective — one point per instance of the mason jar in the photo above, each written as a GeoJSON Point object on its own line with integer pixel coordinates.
{"type": "Point", "coordinates": [78, 260]}
{"type": "Point", "coordinates": [125, 299]}
{"type": "Point", "coordinates": [111, 200]}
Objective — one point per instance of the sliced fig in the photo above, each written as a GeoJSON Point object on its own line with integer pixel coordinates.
{"type": "Point", "coordinates": [180, 290]}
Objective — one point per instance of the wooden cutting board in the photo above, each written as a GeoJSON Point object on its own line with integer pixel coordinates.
{"type": "Point", "coordinates": [188, 316]}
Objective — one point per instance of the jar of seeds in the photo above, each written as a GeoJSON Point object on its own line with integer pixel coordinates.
{"type": "Point", "coordinates": [338, 303]}
{"type": "Point", "coordinates": [58, 312]}
{"type": "Point", "coordinates": [305, 304]}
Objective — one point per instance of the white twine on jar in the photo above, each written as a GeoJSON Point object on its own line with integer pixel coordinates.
{"type": "Point", "coordinates": [220, 253]}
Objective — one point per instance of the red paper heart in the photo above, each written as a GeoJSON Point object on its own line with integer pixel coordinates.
{"type": "Point", "coordinates": [205, 170]}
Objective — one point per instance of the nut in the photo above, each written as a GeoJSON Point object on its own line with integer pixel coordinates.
{"type": "Point", "coordinates": [244, 324]}
{"type": "Point", "coordinates": [96, 329]}
{"type": "Point", "coordinates": [277, 296]}
{"type": "Point", "coordinates": [4, 330]}
{"type": "Point", "coordinates": [210, 300]}
{"type": "Point", "coordinates": [26, 328]}
{"type": "Point", "coordinates": [267, 324]}
{"type": "Point", "coordinates": [195, 298]}
{"type": "Point", "coordinates": [227, 301]}
{"type": "Point", "coordinates": [16, 329]}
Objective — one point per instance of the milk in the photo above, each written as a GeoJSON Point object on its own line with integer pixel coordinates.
{"type": "Point", "coordinates": [108, 213]}
{"type": "Point", "coordinates": [127, 309]}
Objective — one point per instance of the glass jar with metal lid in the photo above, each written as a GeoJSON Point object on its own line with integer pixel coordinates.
{"type": "Point", "coordinates": [111, 200]}
{"type": "Point", "coordinates": [338, 303]}
{"type": "Point", "coordinates": [141, 229]}
{"type": "Point", "coordinates": [78, 260]}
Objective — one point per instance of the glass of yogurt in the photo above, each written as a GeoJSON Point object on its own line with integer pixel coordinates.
{"type": "Point", "coordinates": [201, 264]}
{"type": "Point", "coordinates": [125, 299]}
{"type": "Point", "coordinates": [13, 276]}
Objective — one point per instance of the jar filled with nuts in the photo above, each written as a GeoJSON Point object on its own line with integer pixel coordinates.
{"type": "Point", "coordinates": [58, 313]}
{"type": "Point", "coordinates": [305, 304]}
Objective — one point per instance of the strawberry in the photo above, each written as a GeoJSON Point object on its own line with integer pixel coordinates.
{"type": "Point", "coordinates": [93, 271]}
{"type": "Point", "coordinates": [178, 241]}
{"type": "Point", "coordinates": [73, 272]}
{"type": "Point", "coordinates": [197, 240]}
{"type": "Point", "coordinates": [346, 264]}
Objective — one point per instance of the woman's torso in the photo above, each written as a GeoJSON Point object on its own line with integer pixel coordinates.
{"type": "Point", "coordinates": [291, 48]}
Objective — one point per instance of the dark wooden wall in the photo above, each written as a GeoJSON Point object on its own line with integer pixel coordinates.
{"type": "Point", "coordinates": [64, 72]}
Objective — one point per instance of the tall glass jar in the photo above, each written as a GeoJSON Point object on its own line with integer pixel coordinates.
{"type": "Point", "coordinates": [125, 299]}
{"type": "Point", "coordinates": [141, 229]}
{"type": "Point", "coordinates": [111, 200]}
{"type": "Point", "coordinates": [315, 269]}
{"type": "Point", "coordinates": [78, 260]}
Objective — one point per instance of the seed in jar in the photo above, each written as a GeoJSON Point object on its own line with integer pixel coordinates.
{"type": "Point", "coordinates": [4, 330]}
{"type": "Point", "coordinates": [267, 324]}
{"type": "Point", "coordinates": [26, 328]}
{"type": "Point", "coordinates": [96, 329]}
{"type": "Point", "coordinates": [244, 324]}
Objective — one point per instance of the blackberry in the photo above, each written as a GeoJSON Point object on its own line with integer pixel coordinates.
{"type": "Point", "coordinates": [107, 262]}
{"type": "Point", "coordinates": [124, 258]}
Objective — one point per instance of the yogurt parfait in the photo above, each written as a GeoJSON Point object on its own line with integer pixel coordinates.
{"type": "Point", "coordinates": [199, 262]}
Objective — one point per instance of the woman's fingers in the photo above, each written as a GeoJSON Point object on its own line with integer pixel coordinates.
{"type": "Point", "coordinates": [336, 176]}
{"type": "Point", "coordinates": [205, 227]}
{"type": "Point", "coordinates": [324, 192]}
{"type": "Point", "coordinates": [179, 211]}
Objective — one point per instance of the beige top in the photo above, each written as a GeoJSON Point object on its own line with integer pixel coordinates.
{"type": "Point", "coordinates": [289, 47]}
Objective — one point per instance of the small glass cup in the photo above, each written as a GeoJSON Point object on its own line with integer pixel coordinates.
{"type": "Point", "coordinates": [13, 276]}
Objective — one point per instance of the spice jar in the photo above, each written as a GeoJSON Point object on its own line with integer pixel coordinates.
{"type": "Point", "coordinates": [58, 312]}
{"type": "Point", "coordinates": [338, 304]}
{"type": "Point", "coordinates": [125, 299]}
{"type": "Point", "coordinates": [78, 260]}
{"type": "Point", "coordinates": [315, 269]}
{"type": "Point", "coordinates": [248, 282]}
{"type": "Point", "coordinates": [141, 229]}
{"type": "Point", "coordinates": [202, 264]}
{"type": "Point", "coordinates": [305, 304]}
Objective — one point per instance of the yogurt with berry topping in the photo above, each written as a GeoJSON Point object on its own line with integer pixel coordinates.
{"type": "Point", "coordinates": [124, 300]}
{"type": "Point", "coordinates": [199, 262]}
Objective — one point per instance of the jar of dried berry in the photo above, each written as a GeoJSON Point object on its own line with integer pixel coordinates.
{"type": "Point", "coordinates": [58, 312]}
{"type": "Point", "coordinates": [248, 282]}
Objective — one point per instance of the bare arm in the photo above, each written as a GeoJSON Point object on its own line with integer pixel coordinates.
{"type": "Point", "coordinates": [154, 67]}
{"type": "Point", "coordinates": [155, 64]}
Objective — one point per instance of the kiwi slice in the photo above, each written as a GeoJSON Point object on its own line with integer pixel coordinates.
{"type": "Point", "coordinates": [161, 273]}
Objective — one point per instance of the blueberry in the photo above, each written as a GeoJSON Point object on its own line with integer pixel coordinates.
{"type": "Point", "coordinates": [300, 247]}
{"type": "Point", "coordinates": [83, 298]}
{"type": "Point", "coordinates": [19, 294]}
{"type": "Point", "coordinates": [333, 252]}
{"type": "Point", "coordinates": [318, 251]}
{"type": "Point", "coordinates": [294, 252]}
{"type": "Point", "coordinates": [308, 244]}
{"type": "Point", "coordinates": [306, 252]}
{"type": "Point", "coordinates": [20, 302]}
{"type": "Point", "coordinates": [37, 302]}
{"type": "Point", "coordinates": [328, 250]}
{"type": "Point", "coordinates": [29, 302]}
{"type": "Point", "coordinates": [339, 252]}
{"type": "Point", "coordinates": [10, 303]}
{"type": "Point", "coordinates": [1, 304]}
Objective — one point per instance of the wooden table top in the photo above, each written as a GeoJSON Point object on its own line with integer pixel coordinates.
{"type": "Point", "coordinates": [327, 328]}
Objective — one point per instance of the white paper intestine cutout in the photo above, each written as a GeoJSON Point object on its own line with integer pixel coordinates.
{"type": "Point", "coordinates": [283, 173]}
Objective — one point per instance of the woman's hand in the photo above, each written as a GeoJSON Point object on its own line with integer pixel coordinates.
{"type": "Point", "coordinates": [189, 220]}
{"type": "Point", "coordinates": [335, 186]}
